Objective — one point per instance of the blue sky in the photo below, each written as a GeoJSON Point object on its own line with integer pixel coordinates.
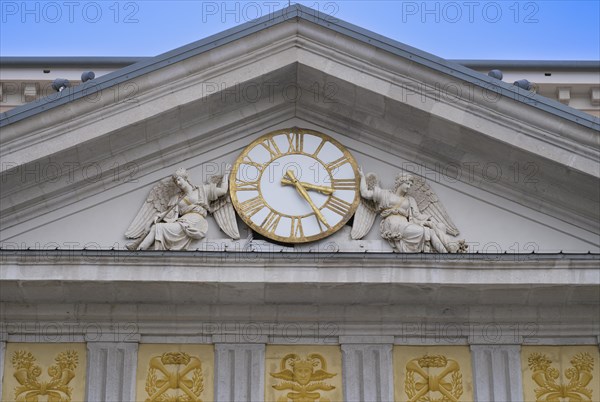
{"type": "Point", "coordinates": [469, 29]}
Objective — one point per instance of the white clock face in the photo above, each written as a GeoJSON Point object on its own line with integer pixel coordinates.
{"type": "Point", "coordinates": [295, 185]}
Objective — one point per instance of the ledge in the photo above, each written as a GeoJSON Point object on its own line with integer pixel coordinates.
{"type": "Point", "coordinates": [299, 267]}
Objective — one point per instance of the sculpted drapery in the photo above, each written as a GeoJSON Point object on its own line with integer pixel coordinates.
{"type": "Point", "coordinates": [406, 227]}
{"type": "Point", "coordinates": [175, 211]}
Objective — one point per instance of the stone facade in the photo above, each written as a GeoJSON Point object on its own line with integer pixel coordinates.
{"type": "Point", "coordinates": [250, 319]}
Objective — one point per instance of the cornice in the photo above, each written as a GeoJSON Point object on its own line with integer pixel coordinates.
{"type": "Point", "coordinates": [510, 120]}
{"type": "Point", "coordinates": [86, 119]}
{"type": "Point", "coordinates": [407, 54]}
{"type": "Point", "coordinates": [197, 266]}
{"type": "Point", "coordinates": [144, 328]}
{"type": "Point", "coordinates": [373, 287]}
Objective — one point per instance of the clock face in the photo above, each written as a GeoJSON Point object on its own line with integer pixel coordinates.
{"type": "Point", "coordinates": [295, 185]}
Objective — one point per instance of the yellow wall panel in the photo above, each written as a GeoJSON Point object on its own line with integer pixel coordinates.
{"type": "Point", "coordinates": [170, 372]}
{"type": "Point", "coordinates": [432, 373]}
{"type": "Point", "coordinates": [44, 372]}
{"type": "Point", "coordinates": [560, 373]}
{"type": "Point", "coordinates": [303, 373]}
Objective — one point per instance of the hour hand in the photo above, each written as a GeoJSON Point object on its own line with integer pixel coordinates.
{"type": "Point", "coordinates": [305, 195]}
{"type": "Point", "coordinates": [309, 186]}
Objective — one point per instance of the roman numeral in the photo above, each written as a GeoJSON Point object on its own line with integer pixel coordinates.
{"type": "Point", "coordinates": [295, 141]}
{"type": "Point", "coordinates": [321, 228]}
{"type": "Point", "coordinates": [252, 206]}
{"type": "Point", "coordinates": [296, 230]}
{"type": "Point", "coordinates": [247, 161]}
{"type": "Point", "coordinates": [337, 163]}
{"type": "Point", "coordinates": [271, 146]}
{"type": "Point", "coordinates": [246, 185]}
{"type": "Point", "coordinates": [271, 221]}
{"type": "Point", "coordinates": [338, 206]}
{"type": "Point", "coordinates": [344, 184]}
{"type": "Point", "coordinates": [319, 148]}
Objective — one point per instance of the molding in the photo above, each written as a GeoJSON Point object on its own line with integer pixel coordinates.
{"type": "Point", "coordinates": [277, 327]}
{"type": "Point", "coordinates": [192, 266]}
{"type": "Point", "coordinates": [246, 338]}
{"type": "Point", "coordinates": [155, 93]}
{"type": "Point", "coordinates": [396, 77]}
{"type": "Point", "coordinates": [372, 339]}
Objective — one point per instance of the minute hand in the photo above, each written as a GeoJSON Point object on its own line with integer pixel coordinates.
{"type": "Point", "coordinates": [309, 186]}
{"type": "Point", "coordinates": [304, 194]}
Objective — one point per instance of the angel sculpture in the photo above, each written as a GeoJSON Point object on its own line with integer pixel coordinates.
{"type": "Point", "coordinates": [174, 213]}
{"type": "Point", "coordinates": [412, 218]}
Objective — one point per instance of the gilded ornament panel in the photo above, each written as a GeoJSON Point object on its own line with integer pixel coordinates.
{"type": "Point", "coordinates": [303, 373]}
{"type": "Point", "coordinates": [35, 372]}
{"type": "Point", "coordinates": [175, 372]}
{"type": "Point", "coordinates": [432, 374]}
{"type": "Point", "coordinates": [560, 373]}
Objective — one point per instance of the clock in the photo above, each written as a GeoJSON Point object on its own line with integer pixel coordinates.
{"type": "Point", "coordinates": [295, 185]}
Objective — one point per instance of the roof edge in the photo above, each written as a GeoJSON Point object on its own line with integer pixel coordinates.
{"type": "Point", "coordinates": [587, 65]}
{"type": "Point", "coordinates": [297, 11]}
{"type": "Point", "coordinates": [21, 61]}
{"type": "Point", "coordinates": [8, 61]}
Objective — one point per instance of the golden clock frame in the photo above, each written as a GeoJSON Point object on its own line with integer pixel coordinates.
{"type": "Point", "coordinates": [293, 239]}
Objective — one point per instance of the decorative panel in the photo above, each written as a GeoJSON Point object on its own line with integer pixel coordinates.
{"type": "Point", "coordinates": [560, 373]}
{"type": "Point", "coordinates": [44, 372]}
{"type": "Point", "coordinates": [303, 373]}
{"type": "Point", "coordinates": [172, 372]}
{"type": "Point", "coordinates": [432, 373]}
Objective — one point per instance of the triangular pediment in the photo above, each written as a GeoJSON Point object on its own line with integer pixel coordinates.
{"type": "Point", "coordinates": [516, 172]}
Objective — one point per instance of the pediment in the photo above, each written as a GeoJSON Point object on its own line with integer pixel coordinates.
{"type": "Point", "coordinates": [516, 172]}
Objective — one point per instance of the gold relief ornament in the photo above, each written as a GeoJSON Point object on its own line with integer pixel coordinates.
{"type": "Point", "coordinates": [303, 377]}
{"type": "Point", "coordinates": [31, 388]}
{"type": "Point", "coordinates": [176, 371]}
{"type": "Point", "coordinates": [435, 375]}
{"type": "Point", "coordinates": [545, 376]}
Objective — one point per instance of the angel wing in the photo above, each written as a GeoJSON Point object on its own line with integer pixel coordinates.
{"type": "Point", "coordinates": [286, 374]}
{"type": "Point", "coordinates": [429, 203]}
{"type": "Point", "coordinates": [223, 212]}
{"type": "Point", "coordinates": [157, 202]}
{"type": "Point", "coordinates": [321, 375]}
{"type": "Point", "coordinates": [365, 213]}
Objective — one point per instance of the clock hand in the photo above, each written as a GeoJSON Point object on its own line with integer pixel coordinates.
{"type": "Point", "coordinates": [304, 194]}
{"type": "Point", "coordinates": [308, 186]}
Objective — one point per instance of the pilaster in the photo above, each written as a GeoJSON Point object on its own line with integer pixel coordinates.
{"type": "Point", "coordinates": [2, 350]}
{"type": "Point", "coordinates": [497, 373]}
{"type": "Point", "coordinates": [368, 372]}
{"type": "Point", "coordinates": [111, 371]}
{"type": "Point", "coordinates": [239, 372]}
